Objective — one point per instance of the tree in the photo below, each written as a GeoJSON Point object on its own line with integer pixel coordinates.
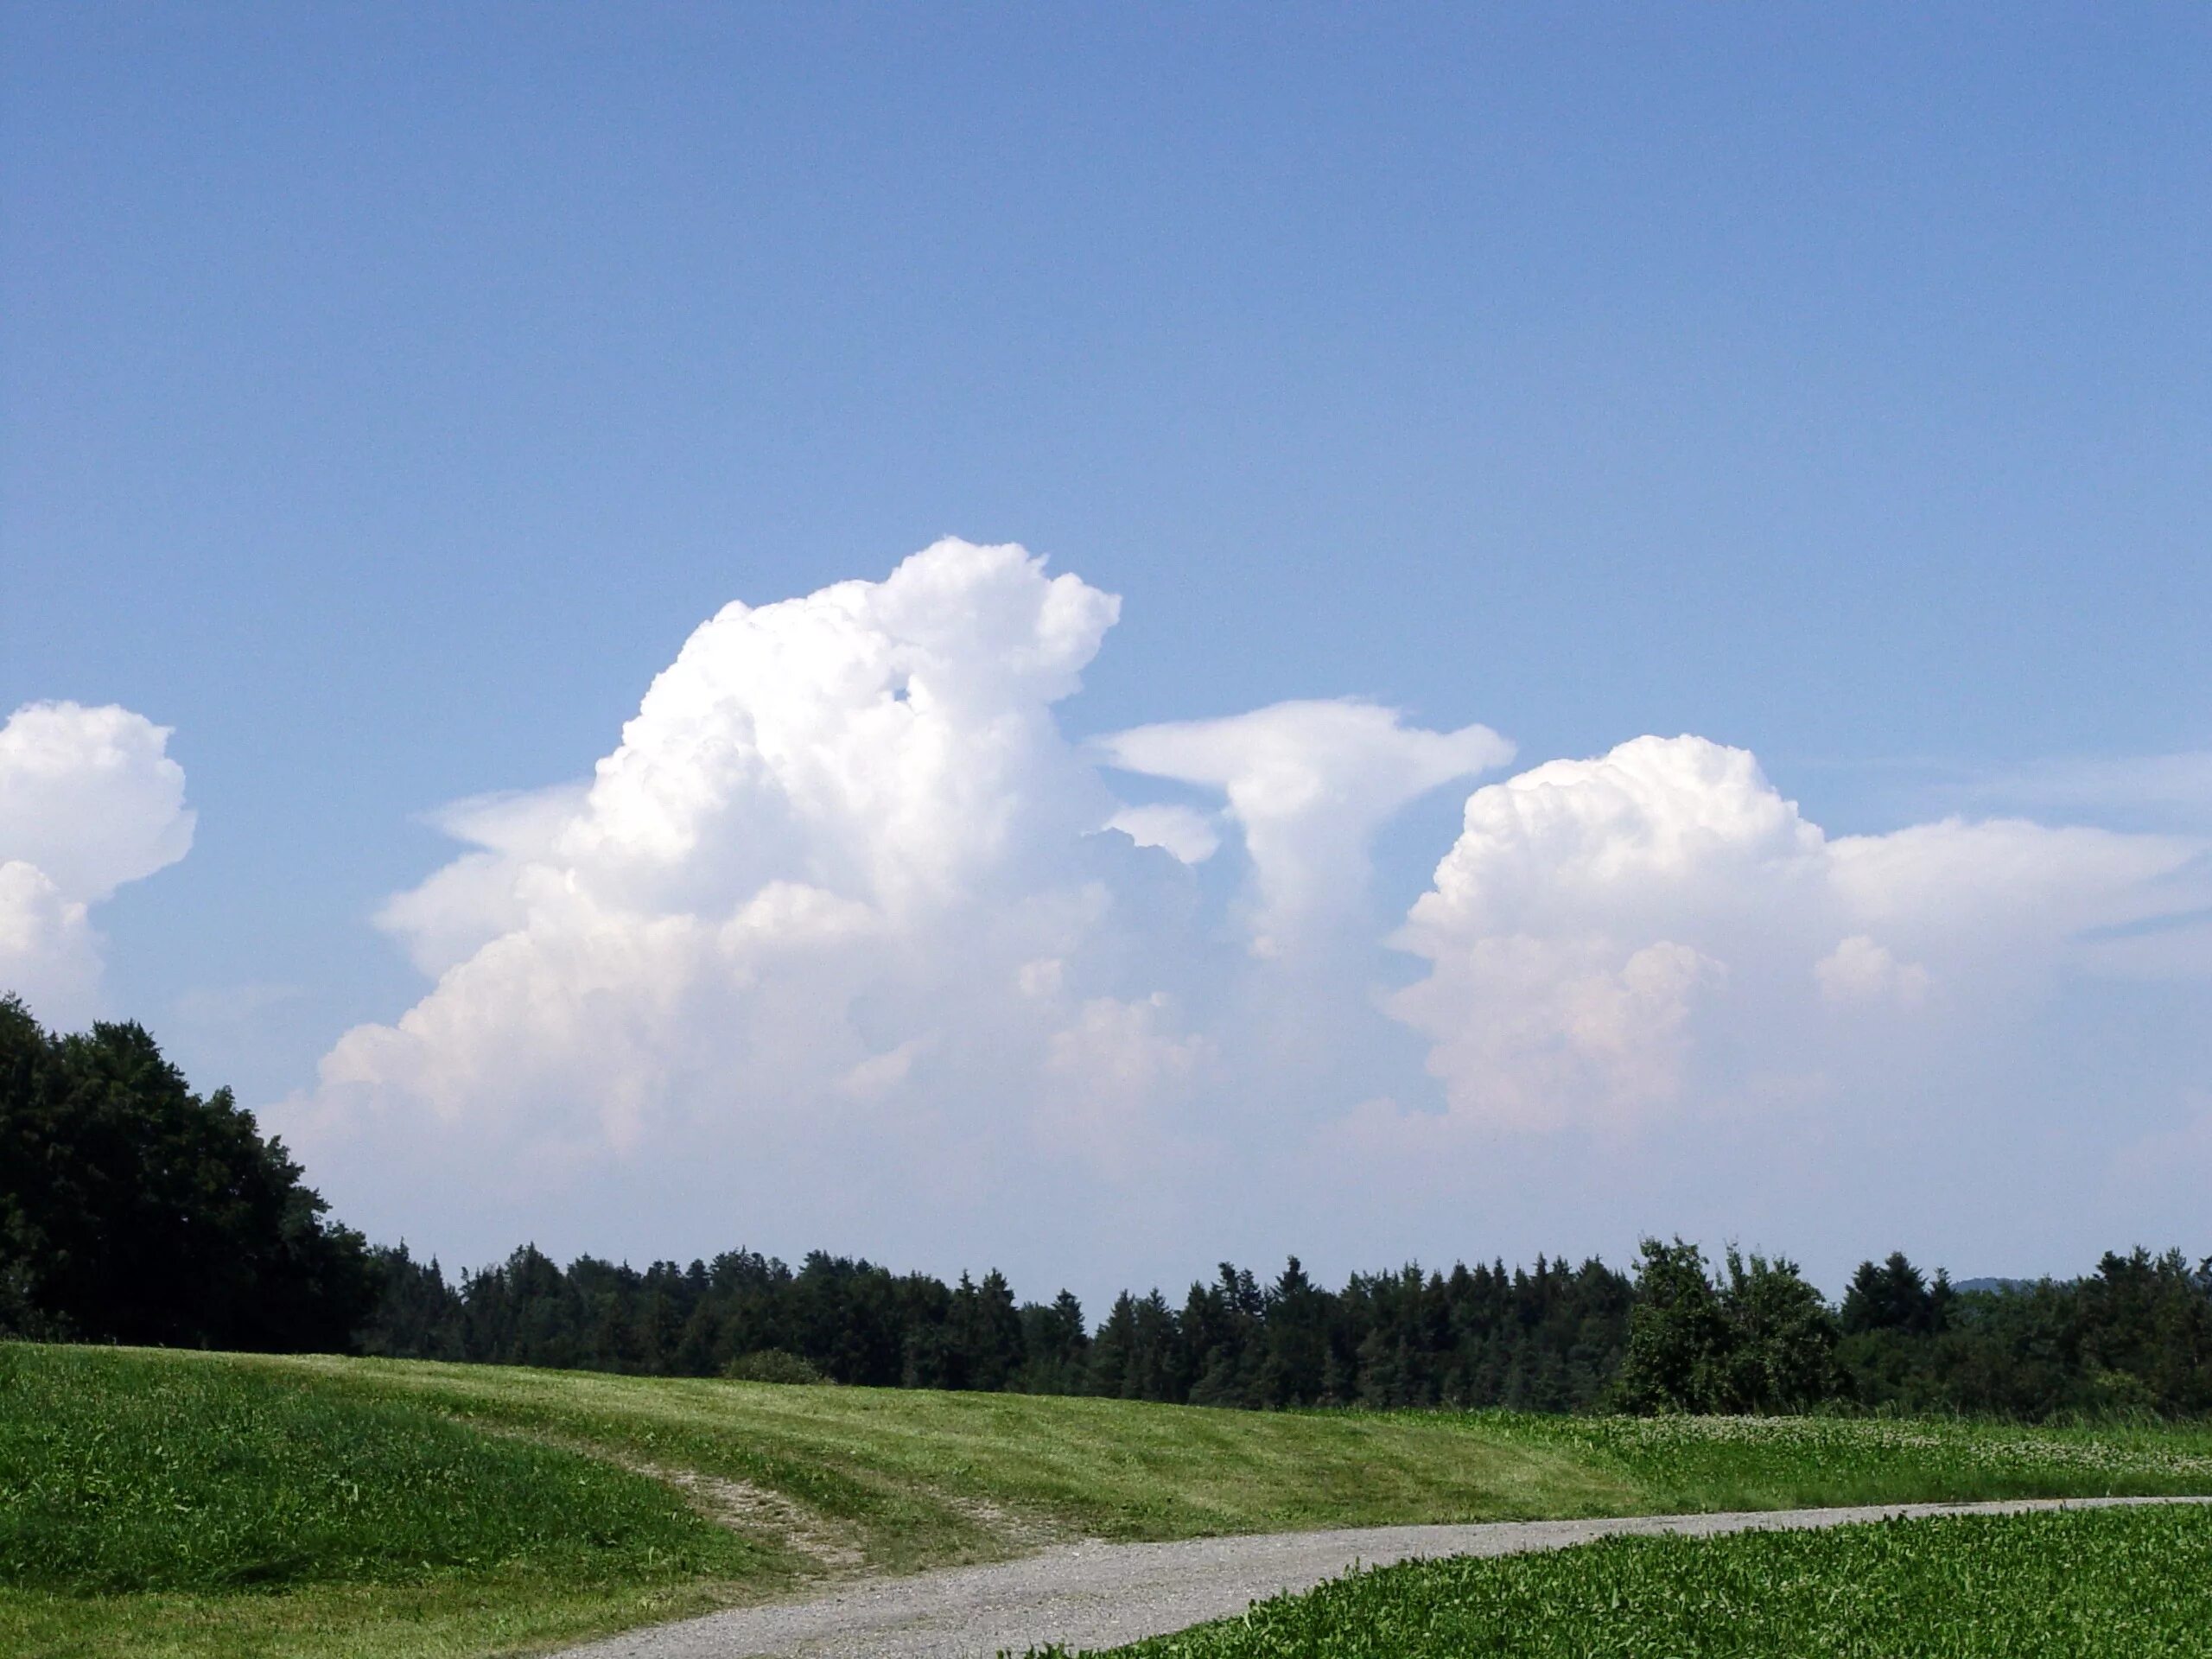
{"type": "Point", "coordinates": [1894, 1297]}
{"type": "Point", "coordinates": [982, 1334]}
{"type": "Point", "coordinates": [1782, 1339]}
{"type": "Point", "coordinates": [132, 1210]}
{"type": "Point", "coordinates": [1054, 1343]}
{"type": "Point", "coordinates": [416, 1315]}
{"type": "Point", "coordinates": [1295, 1369]}
{"type": "Point", "coordinates": [1760, 1340]}
{"type": "Point", "coordinates": [2145, 1330]}
{"type": "Point", "coordinates": [1678, 1333]}
{"type": "Point", "coordinates": [1113, 1349]}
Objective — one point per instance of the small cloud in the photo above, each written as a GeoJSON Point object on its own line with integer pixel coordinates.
{"type": "Point", "coordinates": [881, 1074]}
{"type": "Point", "coordinates": [1859, 970]}
{"type": "Point", "coordinates": [49, 955]}
{"type": "Point", "coordinates": [1040, 980]}
{"type": "Point", "coordinates": [1106, 1072]}
{"type": "Point", "coordinates": [1189, 835]}
{"type": "Point", "coordinates": [89, 800]}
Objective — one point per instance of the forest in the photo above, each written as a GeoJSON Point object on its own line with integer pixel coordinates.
{"type": "Point", "coordinates": [134, 1210]}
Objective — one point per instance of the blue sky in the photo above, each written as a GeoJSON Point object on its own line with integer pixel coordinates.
{"type": "Point", "coordinates": [387, 397]}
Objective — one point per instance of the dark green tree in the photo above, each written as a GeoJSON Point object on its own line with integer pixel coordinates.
{"type": "Point", "coordinates": [1295, 1369]}
{"type": "Point", "coordinates": [1678, 1333]}
{"type": "Point", "coordinates": [1782, 1341]}
{"type": "Point", "coordinates": [1112, 1350]}
{"type": "Point", "coordinates": [1055, 1344]}
{"type": "Point", "coordinates": [132, 1210]}
{"type": "Point", "coordinates": [1894, 1297]}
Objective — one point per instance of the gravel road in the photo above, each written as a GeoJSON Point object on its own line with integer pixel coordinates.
{"type": "Point", "coordinates": [1097, 1595]}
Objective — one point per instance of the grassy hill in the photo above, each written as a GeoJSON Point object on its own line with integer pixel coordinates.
{"type": "Point", "coordinates": [187, 1504]}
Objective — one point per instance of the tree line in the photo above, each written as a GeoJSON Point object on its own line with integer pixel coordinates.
{"type": "Point", "coordinates": [1679, 1333]}
{"type": "Point", "coordinates": [132, 1210]}
{"type": "Point", "coordinates": [1546, 1339]}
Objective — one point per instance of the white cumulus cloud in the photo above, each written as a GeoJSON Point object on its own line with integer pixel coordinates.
{"type": "Point", "coordinates": [1596, 916]}
{"type": "Point", "coordinates": [842, 870]}
{"type": "Point", "coordinates": [89, 800]}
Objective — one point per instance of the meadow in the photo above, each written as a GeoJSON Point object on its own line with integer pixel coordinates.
{"type": "Point", "coordinates": [2135, 1582]}
{"type": "Point", "coordinates": [173, 1503]}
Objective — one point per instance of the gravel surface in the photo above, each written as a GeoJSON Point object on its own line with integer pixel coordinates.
{"type": "Point", "coordinates": [1098, 1595]}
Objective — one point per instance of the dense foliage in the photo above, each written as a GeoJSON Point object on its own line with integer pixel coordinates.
{"type": "Point", "coordinates": [1755, 1336]}
{"type": "Point", "coordinates": [1759, 1339]}
{"type": "Point", "coordinates": [2136, 1335]}
{"type": "Point", "coordinates": [133, 1211]}
{"type": "Point", "coordinates": [1546, 1339]}
{"type": "Point", "coordinates": [2136, 1581]}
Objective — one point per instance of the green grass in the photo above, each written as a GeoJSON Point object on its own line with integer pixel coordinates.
{"type": "Point", "coordinates": [1766, 1463]}
{"type": "Point", "coordinates": [904, 1472]}
{"type": "Point", "coordinates": [196, 1506]}
{"type": "Point", "coordinates": [159, 1503]}
{"type": "Point", "coordinates": [127, 1472]}
{"type": "Point", "coordinates": [2112, 1582]}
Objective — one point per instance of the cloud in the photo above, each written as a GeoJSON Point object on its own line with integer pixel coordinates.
{"type": "Point", "coordinates": [90, 797]}
{"type": "Point", "coordinates": [478, 897]}
{"type": "Point", "coordinates": [1597, 918]}
{"type": "Point", "coordinates": [1859, 970]}
{"type": "Point", "coordinates": [1189, 835]}
{"type": "Point", "coordinates": [1541, 1034]}
{"type": "Point", "coordinates": [89, 800]}
{"type": "Point", "coordinates": [834, 944]}
{"type": "Point", "coordinates": [1308, 782]}
{"type": "Point", "coordinates": [1110, 1069]}
{"type": "Point", "coordinates": [49, 955]}
{"type": "Point", "coordinates": [841, 876]}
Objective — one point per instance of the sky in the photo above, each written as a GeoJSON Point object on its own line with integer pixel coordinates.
{"type": "Point", "coordinates": [1091, 639]}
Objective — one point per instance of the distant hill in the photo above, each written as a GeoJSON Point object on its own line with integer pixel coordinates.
{"type": "Point", "coordinates": [1993, 1284]}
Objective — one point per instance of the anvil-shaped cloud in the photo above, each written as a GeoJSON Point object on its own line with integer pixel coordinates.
{"type": "Point", "coordinates": [1309, 784]}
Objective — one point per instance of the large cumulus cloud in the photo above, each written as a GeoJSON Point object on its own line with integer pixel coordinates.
{"type": "Point", "coordinates": [1596, 919]}
{"type": "Point", "coordinates": [89, 800]}
{"type": "Point", "coordinates": [842, 880]}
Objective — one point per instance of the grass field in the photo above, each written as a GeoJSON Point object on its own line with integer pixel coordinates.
{"type": "Point", "coordinates": [194, 1505]}
{"type": "Point", "coordinates": [2112, 1582]}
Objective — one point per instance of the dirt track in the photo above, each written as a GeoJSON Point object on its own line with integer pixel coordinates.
{"type": "Point", "coordinates": [1097, 1595]}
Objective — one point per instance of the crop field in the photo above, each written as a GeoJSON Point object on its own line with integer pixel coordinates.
{"type": "Point", "coordinates": [2077, 1584]}
{"type": "Point", "coordinates": [1754, 1463]}
{"type": "Point", "coordinates": [205, 1505]}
